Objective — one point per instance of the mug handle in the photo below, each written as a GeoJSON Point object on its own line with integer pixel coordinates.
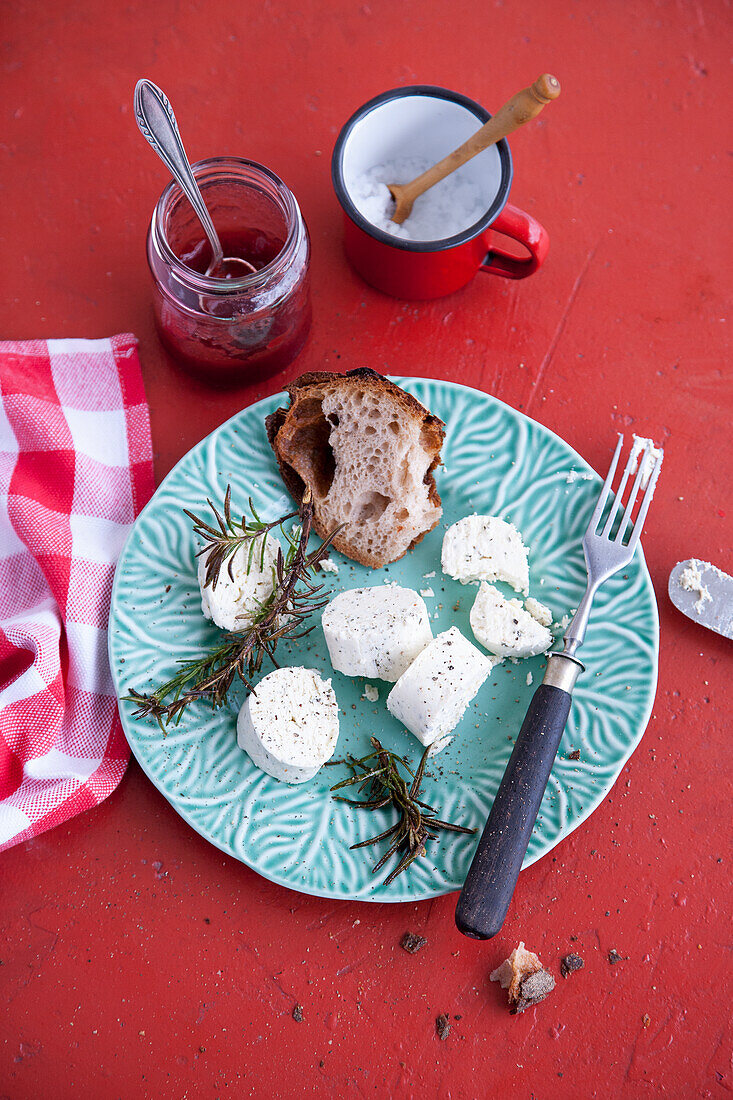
{"type": "Point", "coordinates": [522, 227]}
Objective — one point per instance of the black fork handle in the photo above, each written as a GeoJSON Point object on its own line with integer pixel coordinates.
{"type": "Point", "coordinates": [492, 876]}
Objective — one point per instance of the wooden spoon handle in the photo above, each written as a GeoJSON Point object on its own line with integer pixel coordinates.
{"type": "Point", "coordinates": [522, 107]}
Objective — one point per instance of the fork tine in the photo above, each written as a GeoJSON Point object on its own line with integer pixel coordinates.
{"type": "Point", "coordinates": [645, 502]}
{"type": "Point", "coordinates": [628, 470]}
{"type": "Point", "coordinates": [605, 488]}
{"type": "Point", "coordinates": [628, 510]}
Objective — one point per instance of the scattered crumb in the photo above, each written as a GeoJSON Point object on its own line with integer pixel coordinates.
{"type": "Point", "coordinates": [426, 592]}
{"type": "Point", "coordinates": [565, 620]}
{"type": "Point", "coordinates": [525, 978]}
{"type": "Point", "coordinates": [168, 587]}
{"type": "Point", "coordinates": [456, 605]}
{"type": "Point", "coordinates": [412, 942]}
{"type": "Point", "coordinates": [371, 693]}
{"type": "Point", "coordinates": [570, 964]}
{"type": "Point", "coordinates": [529, 679]}
{"type": "Point", "coordinates": [646, 1020]}
{"type": "Point", "coordinates": [298, 1014]}
{"type": "Point", "coordinates": [574, 755]}
{"type": "Point", "coordinates": [614, 957]}
{"type": "Point", "coordinates": [329, 566]}
{"type": "Point", "coordinates": [428, 576]}
{"type": "Point", "coordinates": [578, 475]}
{"type": "Point", "coordinates": [442, 1026]}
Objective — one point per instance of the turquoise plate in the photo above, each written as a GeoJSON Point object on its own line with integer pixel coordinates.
{"type": "Point", "coordinates": [497, 461]}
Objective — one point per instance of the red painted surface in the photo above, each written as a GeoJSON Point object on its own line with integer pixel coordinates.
{"type": "Point", "coordinates": [137, 960]}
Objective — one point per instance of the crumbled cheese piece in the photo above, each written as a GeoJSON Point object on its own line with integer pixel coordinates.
{"type": "Point", "coordinates": [566, 620]}
{"type": "Point", "coordinates": [431, 697]}
{"type": "Point", "coordinates": [650, 452]}
{"type": "Point", "coordinates": [691, 581]}
{"type": "Point", "coordinates": [371, 693]}
{"type": "Point", "coordinates": [235, 598]}
{"type": "Point", "coordinates": [538, 611]}
{"type": "Point", "coordinates": [289, 726]}
{"type": "Point", "coordinates": [376, 632]}
{"type": "Point", "coordinates": [427, 592]}
{"type": "Point", "coordinates": [530, 678]}
{"type": "Point", "coordinates": [504, 627]}
{"type": "Point", "coordinates": [328, 565]}
{"type": "Point", "coordinates": [485, 548]}
{"type": "Point", "coordinates": [579, 475]}
{"type": "Point", "coordinates": [428, 576]}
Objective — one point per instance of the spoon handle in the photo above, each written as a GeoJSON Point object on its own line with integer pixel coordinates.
{"type": "Point", "coordinates": [157, 124]}
{"type": "Point", "coordinates": [522, 107]}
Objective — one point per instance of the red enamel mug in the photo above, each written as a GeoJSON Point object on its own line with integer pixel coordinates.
{"type": "Point", "coordinates": [428, 122]}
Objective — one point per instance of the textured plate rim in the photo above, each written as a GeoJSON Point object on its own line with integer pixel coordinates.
{"type": "Point", "coordinates": [406, 381]}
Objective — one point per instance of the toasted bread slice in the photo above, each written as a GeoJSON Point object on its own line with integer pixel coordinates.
{"type": "Point", "coordinates": [368, 451]}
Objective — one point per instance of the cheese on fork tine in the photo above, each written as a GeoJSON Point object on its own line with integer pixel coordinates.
{"type": "Point", "coordinates": [431, 697]}
{"type": "Point", "coordinates": [485, 548]}
{"type": "Point", "coordinates": [376, 632]}
{"type": "Point", "coordinates": [504, 627]}
{"type": "Point", "coordinates": [290, 725]}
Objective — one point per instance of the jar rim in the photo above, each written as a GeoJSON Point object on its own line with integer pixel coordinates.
{"type": "Point", "coordinates": [227, 166]}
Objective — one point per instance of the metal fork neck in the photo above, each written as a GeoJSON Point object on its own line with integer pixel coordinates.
{"type": "Point", "coordinates": [575, 634]}
{"type": "Point", "coordinates": [562, 671]}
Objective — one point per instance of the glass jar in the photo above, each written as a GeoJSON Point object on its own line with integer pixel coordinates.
{"type": "Point", "coordinates": [221, 328]}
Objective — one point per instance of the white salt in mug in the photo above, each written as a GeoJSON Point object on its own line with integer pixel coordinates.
{"type": "Point", "coordinates": [427, 122]}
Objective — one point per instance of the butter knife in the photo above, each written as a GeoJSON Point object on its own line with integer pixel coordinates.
{"type": "Point", "coordinates": [704, 593]}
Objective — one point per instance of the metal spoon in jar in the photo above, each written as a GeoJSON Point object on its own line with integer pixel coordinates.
{"type": "Point", "coordinates": [157, 124]}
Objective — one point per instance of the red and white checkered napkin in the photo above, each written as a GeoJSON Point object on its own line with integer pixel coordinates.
{"type": "Point", "coordinates": [75, 469]}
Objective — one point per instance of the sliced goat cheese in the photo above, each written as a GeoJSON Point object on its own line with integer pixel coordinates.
{"type": "Point", "coordinates": [538, 611]}
{"type": "Point", "coordinates": [376, 632]}
{"type": "Point", "coordinates": [485, 548]}
{"type": "Point", "coordinates": [431, 697]}
{"type": "Point", "coordinates": [289, 725]}
{"type": "Point", "coordinates": [504, 627]}
{"type": "Point", "coordinates": [233, 600]}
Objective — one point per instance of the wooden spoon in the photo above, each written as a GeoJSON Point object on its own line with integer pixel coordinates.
{"type": "Point", "coordinates": [519, 109]}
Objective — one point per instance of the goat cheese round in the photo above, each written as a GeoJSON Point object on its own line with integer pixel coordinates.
{"type": "Point", "coordinates": [376, 632]}
{"type": "Point", "coordinates": [431, 697]}
{"type": "Point", "coordinates": [504, 627]}
{"type": "Point", "coordinates": [289, 725]}
{"type": "Point", "coordinates": [234, 600]}
{"type": "Point", "coordinates": [485, 548]}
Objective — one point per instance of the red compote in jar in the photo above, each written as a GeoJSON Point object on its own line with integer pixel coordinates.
{"type": "Point", "coordinates": [231, 329]}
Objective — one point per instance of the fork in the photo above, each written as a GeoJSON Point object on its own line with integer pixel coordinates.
{"type": "Point", "coordinates": [492, 876]}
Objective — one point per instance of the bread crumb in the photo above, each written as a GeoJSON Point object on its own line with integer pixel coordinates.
{"type": "Point", "coordinates": [525, 977]}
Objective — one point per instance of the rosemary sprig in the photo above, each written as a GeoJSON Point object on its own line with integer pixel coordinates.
{"type": "Point", "coordinates": [222, 542]}
{"type": "Point", "coordinates": [377, 776]}
{"type": "Point", "coordinates": [283, 614]}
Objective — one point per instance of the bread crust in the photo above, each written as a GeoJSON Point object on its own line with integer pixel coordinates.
{"type": "Point", "coordinates": [287, 426]}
